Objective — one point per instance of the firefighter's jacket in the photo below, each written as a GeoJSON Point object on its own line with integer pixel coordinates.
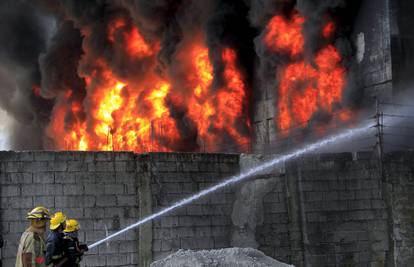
{"type": "Point", "coordinates": [73, 251]}
{"type": "Point", "coordinates": [54, 248]}
{"type": "Point", "coordinates": [31, 251]}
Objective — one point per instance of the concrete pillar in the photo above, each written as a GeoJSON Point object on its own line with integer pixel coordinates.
{"type": "Point", "coordinates": [145, 209]}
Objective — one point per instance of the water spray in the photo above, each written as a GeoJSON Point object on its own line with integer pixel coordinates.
{"type": "Point", "coordinates": [242, 176]}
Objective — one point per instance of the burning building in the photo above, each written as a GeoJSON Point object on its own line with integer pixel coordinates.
{"type": "Point", "coordinates": [219, 76]}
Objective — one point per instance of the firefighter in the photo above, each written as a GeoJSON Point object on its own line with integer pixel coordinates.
{"type": "Point", "coordinates": [73, 249]}
{"type": "Point", "coordinates": [31, 251]}
{"type": "Point", "coordinates": [54, 243]}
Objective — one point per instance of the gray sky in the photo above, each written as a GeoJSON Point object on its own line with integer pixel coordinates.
{"type": "Point", "coordinates": [5, 124]}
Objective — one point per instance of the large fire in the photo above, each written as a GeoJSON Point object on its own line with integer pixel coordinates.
{"type": "Point", "coordinates": [304, 87]}
{"type": "Point", "coordinates": [149, 111]}
{"type": "Point", "coordinates": [123, 114]}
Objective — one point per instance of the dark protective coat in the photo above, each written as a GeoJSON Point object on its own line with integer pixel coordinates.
{"type": "Point", "coordinates": [54, 248]}
{"type": "Point", "coordinates": [73, 251]}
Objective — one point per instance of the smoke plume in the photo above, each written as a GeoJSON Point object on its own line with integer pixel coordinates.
{"type": "Point", "coordinates": [163, 75]}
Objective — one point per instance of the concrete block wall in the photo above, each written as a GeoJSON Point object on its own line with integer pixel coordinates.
{"type": "Point", "coordinates": [399, 173]}
{"type": "Point", "coordinates": [97, 188]}
{"type": "Point", "coordinates": [204, 224]}
{"type": "Point", "coordinates": [342, 212]}
{"type": "Point", "coordinates": [273, 235]}
{"type": "Point", "coordinates": [322, 210]}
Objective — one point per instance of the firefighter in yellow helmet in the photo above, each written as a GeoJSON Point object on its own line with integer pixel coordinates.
{"type": "Point", "coordinates": [54, 244]}
{"type": "Point", "coordinates": [73, 249]}
{"type": "Point", "coordinates": [31, 251]}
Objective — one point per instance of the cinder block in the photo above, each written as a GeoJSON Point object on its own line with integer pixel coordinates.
{"type": "Point", "coordinates": [94, 260]}
{"type": "Point", "coordinates": [172, 188]}
{"type": "Point", "coordinates": [227, 168]}
{"type": "Point", "coordinates": [20, 203]}
{"type": "Point", "coordinates": [370, 184]}
{"type": "Point", "coordinates": [197, 243]}
{"type": "Point", "coordinates": [73, 189]}
{"type": "Point", "coordinates": [359, 204]}
{"type": "Point", "coordinates": [124, 156]}
{"type": "Point", "coordinates": [65, 155]}
{"type": "Point", "coordinates": [170, 244]}
{"type": "Point", "coordinates": [169, 221]}
{"type": "Point", "coordinates": [104, 156]}
{"type": "Point", "coordinates": [188, 167]}
{"type": "Point", "coordinates": [129, 201]}
{"type": "Point", "coordinates": [125, 177]}
{"type": "Point", "coordinates": [117, 260]}
{"type": "Point", "coordinates": [271, 198]}
{"type": "Point", "coordinates": [111, 212]}
{"type": "Point", "coordinates": [43, 156]}
{"type": "Point", "coordinates": [86, 225]}
{"type": "Point", "coordinates": [131, 188]}
{"type": "Point", "coordinates": [85, 177]}
{"type": "Point", "coordinates": [75, 213]}
{"type": "Point", "coordinates": [222, 242]}
{"type": "Point", "coordinates": [42, 189]}
{"type": "Point", "coordinates": [77, 166]}
{"type": "Point", "coordinates": [346, 195]}
{"type": "Point", "coordinates": [116, 189]}
{"type": "Point", "coordinates": [128, 246]}
{"type": "Point", "coordinates": [217, 231]}
{"type": "Point", "coordinates": [156, 245]}
{"type": "Point", "coordinates": [168, 166]}
{"type": "Point", "coordinates": [43, 177]}
{"type": "Point", "coordinates": [94, 213]}
{"type": "Point", "coordinates": [21, 178]}
{"type": "Point", "coordinates": [10, 251]}
{"type": "Point", "coordinates": [105, 201]}
{"type": "Point", "coordinates": [74, 201]}
{"type": "Point", "coordinates": [120, 166]}
{"type": "Point", "coordinates": [105, 224]}
{"type": "Point", "coordinates": [18, 227]}
{"type": "Point", "coordinates": [36, 166]}
{"type": "Point", "coordinates": [16, 166]}
{"type": "Point", "coordinates": [201, 220]}
{"type": "Point", "coordinates": [46, 201]}
{"type": "Point", "coordinates": [377, 204]}
{"type": "Point", "coordinates": [105, 177]}
{"type": "Point", "coordinates": [65, 177]}
{"type": "Point", "coordinates": [275, 208]}
{"type": "Point", "coordinates": [13, 214]}
{"type": "Point", "coordinates": [101, 166]}
{"type": "Point", "coordinates": [362, 194]}
{"type": "Point", "coordinates": [9, 190]}
{"type": "Point", "coordinates": [94, 189]}
{"type": "Point", "coordinates": [314, 196]}
{"type": "Point", "coordinates": [57, 166]}
{"type": "Point", "coordinates": [95, 235]}
{"type": "Point", "coordinates": [222, 199]}
{"type": "Point", "coordinates": [110, 248]}
{"type": "Point", "coordinates": [174, 177]}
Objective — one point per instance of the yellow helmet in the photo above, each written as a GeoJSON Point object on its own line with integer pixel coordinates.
{"type": "Point", "coordinates": [38, 213]}
{"type": "Point", "coordinates": [57, 219]}
{"type": "Point", "coordinates": [72, 225]}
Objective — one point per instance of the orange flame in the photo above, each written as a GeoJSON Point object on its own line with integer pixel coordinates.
{"type": "Point", "coordinates": [304, 88]}
{"type": "Point", "coordinates": [216, 114]}
{"type": "Point", "coordinates": [285, 36]}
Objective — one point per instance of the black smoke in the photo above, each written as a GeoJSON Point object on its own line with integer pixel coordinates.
{"type": "Point", "coordinates": [24, 31]}
{"type": "Point", "coordinates": [55, 46]}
